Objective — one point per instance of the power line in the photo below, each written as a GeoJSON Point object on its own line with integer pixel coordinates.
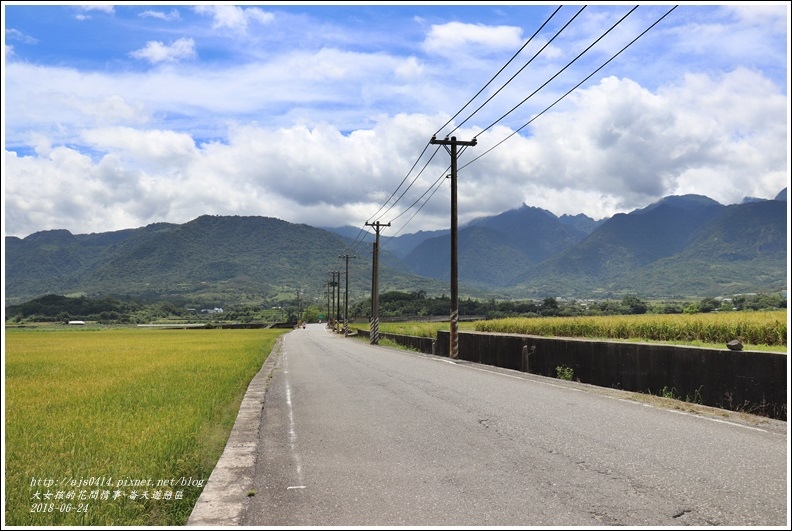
{"type": "Point", "coordinates": [435, 186]}
{"type": "Point", "coordinates": [496, 75]}
{"type": "Point", "coordinates": [401, 183]}
{"type": "Point", "coordinates": [560, 71]}
{"type": "Point", "coordinates": [422, 195]}
{"type": "Point", "coordinates": [376, 215]}
{"type": "Point", "coordinates": [413, 181]}
{"type": "Point", "coordinates": [353, 246]}
{"type": "Point", "coordinates": [482, 105]}
{"type": "Point", "coordinates": [573, 88]}
{"type": "Point", "coordinates": [520, 70]}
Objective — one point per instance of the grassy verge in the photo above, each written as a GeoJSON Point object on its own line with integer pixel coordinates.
{"type": "Point", "coordinates": [120, 427]}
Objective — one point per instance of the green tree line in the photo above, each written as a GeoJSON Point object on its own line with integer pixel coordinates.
{"type": "Point", "coordinates": [392, 304]}
{"type": "Point", "coordinates": [416, 304]}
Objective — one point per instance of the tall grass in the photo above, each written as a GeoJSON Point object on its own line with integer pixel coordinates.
{"type": "Point", "coordinates": [756, 328]}
{"type": "Point", "coordinates": [115, 405]}
{"type": "Point", "coordinates": [752, 328]}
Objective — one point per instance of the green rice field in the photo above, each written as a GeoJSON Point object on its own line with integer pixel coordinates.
{"type": "Point", "coordinates": [120, 427]}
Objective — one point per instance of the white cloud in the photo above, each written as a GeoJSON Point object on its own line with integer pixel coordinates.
{"type": "Point", "coordinates": [456, 38]}
{"type": "Point", "coordinates": [322, 132]}
{"type": "Point", "coordinates": [97, 7]}
{"type": "Point", "coordinates": [143, 148]}
{"type": "Point", "coordinates": [259, 15]}
{"type": "Point", "coordinates": [107, 9]}
{"type": "Point", "coordinates": [234, 17]}
{"type": "Point", "coordinates": [770, 16]}
{"type": "Point", "coordinates": [617, 146]}
{"type": "Point", "coordinates": [158, 52]}
{"type": "Point", "coordinates": [16, 35]}
{"type": "Point", "coordinates": [173, 15]}
{"type": "Point", "coordinates": [409, 68]}
{"type": "Point", "coordinates": [624, 146]}
{"type": "Point", "coordinates": [110, 109]}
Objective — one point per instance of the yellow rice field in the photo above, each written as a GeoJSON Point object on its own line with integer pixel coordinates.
{"type": "Point", "coordinates": [120, 427]}
{"type": "Point", "coordinates": [761, 329]}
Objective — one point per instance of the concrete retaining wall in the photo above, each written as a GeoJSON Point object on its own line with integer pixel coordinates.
{"type": "Point", "coordinates": [751, 381]}
{"type": "Point", "coordinates": [421, 344]}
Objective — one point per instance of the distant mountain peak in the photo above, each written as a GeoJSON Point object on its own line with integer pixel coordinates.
{"type": "Point", "coordinates": [50, 235]}
{"type": "Point", "coordinates": [685, 201]}
{"type": "Point", "coordinates": [752, 200]}
{"type": "Point", "coordinates": [537, 209]}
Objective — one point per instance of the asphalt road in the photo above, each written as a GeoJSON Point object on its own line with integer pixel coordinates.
{"type": "Point", "coordinates": [360, 435]}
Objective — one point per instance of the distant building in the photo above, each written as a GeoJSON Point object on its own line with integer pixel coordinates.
{"type": "Point", "coordinates": [76, 322]}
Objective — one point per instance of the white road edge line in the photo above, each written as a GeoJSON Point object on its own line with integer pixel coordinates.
{"type": "Point", "coordinates": [292, 432]}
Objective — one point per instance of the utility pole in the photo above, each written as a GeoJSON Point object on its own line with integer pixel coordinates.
{"type": "Point", "coordinates": [334, 312]}
{"type": "Point", "coordinates": [338, 299]}
{"type": "Point", "coordinates": [331, 305]}
{"type": "Point", "coordinates": [374, 332]}
{"type": "Point", "coordinates": [454, 332]}
{"type": "Point", "coordinates": [346, 295]}
{"type": "Point", "coordinates": [327, 294]}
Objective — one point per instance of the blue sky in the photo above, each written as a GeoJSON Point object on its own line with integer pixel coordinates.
{"type": "Point", "coordinates": [115, 117]}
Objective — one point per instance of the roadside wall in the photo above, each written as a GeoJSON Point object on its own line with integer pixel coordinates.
{"type": "Point", "coordinates": [750, 381]}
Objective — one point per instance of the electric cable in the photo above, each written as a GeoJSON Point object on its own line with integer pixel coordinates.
{"type": "Point", "coordinates": [463, 122]}
{"type": "Point", "coordinates": [377, 214]}
{"type": "Point", "coordinates": [413, 182]}
{"type": "Point", "coordinates": [493, 95]}
{"type": "Point", "coordinates": [572, 89]}
{"type": "Point", "coordinates": [559, 72]}
{"type": "Point", "coordinates": [401, 183]}
{"type": "Point", "coordinates": [352, 246]}
{"type": "Point", "coordinates": [498, 73]}
{"type": "Point", "coordinates": [434, 187]}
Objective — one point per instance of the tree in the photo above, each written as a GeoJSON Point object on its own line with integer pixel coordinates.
{"type": "Point", "coordinates": [549, 307]}
{"type": "Point", "coordinates": [708, 304]}
{"type": "Point", "coordinates": [311, 314]}
{"type": "Point", "coordinates": [634, 305]}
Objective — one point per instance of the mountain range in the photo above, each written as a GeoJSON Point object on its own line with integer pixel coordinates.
{"type": "Point", "coordinates": [681, 246]}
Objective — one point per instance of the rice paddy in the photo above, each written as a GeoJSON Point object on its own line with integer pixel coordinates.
{"type": "Point", "coordinates": [766, 330]}
{"type": "Point", "coordinates": [120, 427]}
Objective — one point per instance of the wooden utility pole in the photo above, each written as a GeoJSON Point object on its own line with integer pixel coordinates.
{"type": "Point", "coordinates": [374, 329]}
{"type": "Point", "coordinates": [331, 304]}
{"type": "Point", "coordinates": [327, 294]}
{"type": "Point", "coordinates": [454, 332]}
{"type": "Point", "coordinates": [346, 295]}
{"type": "Point", "coordinates": [334, 313]}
